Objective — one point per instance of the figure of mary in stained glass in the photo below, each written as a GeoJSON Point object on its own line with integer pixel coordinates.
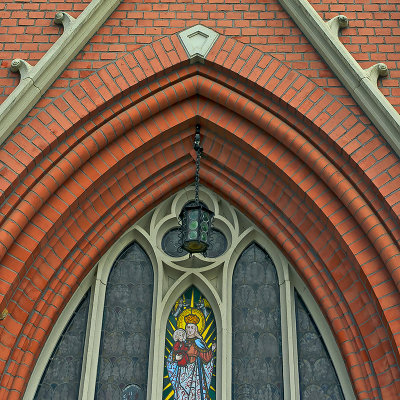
{"type": "Point", "coordinates": [191, 358]}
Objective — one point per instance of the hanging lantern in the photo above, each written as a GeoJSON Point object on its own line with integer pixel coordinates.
{"type": "Point", "coordinates": [195, 217]}
{"type": "Point", "coordinates": [196, 227]}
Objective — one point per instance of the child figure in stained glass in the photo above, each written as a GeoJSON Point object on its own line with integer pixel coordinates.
{"type": "Point", "coordinates": [180, 349]}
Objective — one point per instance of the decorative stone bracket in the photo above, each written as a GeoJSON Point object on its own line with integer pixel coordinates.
{"type": "Point", "coordinates": [63, 18]}
{"type": "Point", "coordinates": [377, 71]}
{"type": "Point", "coordinates": [21, 66]}
{"type": "Point", "coordinates": [35, 80]}
{"type": "Point", "coordinates": [359, 82]}
{"type": "Point", "coordinates": [337, 23]}
{"type": "Point", "coordinates": [198, 41]}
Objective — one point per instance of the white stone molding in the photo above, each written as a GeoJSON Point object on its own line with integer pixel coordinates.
{"type": "Point", "coordinates": [198, 41]}
{"type": "Point", "coordinates": [289, 337]}
{"type": "Point", "coordinates": [357, 81]}
{"type": "Point", "coordinates": [37, 79]}
{"type": "Point", "coordinates": [213, 277]}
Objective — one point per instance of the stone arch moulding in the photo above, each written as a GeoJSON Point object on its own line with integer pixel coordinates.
{"type": "Point", "coordinates": [120, 142]}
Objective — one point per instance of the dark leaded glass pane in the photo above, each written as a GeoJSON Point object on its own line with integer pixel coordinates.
{"type": "Point", "coordinates": [318, 379]}
{"type": "Point", "coordinates": [171, 243]}
{"type": "Point", "coordinates": [218, 244]}
{"type": "Point", "coordinates": [125, 338]}
{"type": "Point", "coordinates": [257, 343]}
{"type": "Point", "coordinates": [62, 375]}
{"type": "Point", "coordinates": [190, 348]}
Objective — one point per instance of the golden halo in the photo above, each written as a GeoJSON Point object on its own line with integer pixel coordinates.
{"type": "Point", "coordinates": [181, 319]}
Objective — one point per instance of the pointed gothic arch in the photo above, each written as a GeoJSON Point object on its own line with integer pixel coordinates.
{"type": "Point", "coordinates": [125, 146]}
{"type": "Point", "coordinates": [179, 273]}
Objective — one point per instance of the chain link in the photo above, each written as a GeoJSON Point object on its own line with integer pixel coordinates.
{"type": "Point", "coordinates": [199, 152]}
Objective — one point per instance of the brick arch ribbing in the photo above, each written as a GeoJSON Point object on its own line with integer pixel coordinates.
{"type": "Point", "coordinates": [56, 289]}
{"type": "Point", "coordinates": [116, 162]}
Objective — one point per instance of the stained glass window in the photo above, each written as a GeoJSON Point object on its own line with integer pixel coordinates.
{"type": "Point", "coordinates": [125, 339]}
{"type": "Point", "coordinates": [257, 342]}
{"type": "Point", "coordinates": [318, 379]}
{"type": "Point", "coordinates": [190, 348]}
{"type": "Point", "coordinates": [62, 375]}
{"type": "Point", "coordinates": [187, 357]}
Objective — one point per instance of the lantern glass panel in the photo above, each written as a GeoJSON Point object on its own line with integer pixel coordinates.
{"type": "Point", "coordinates": [196, 224]}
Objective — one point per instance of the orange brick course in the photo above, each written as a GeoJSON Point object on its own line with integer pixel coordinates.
{"type": "Point", "coordinates": [311, 171]}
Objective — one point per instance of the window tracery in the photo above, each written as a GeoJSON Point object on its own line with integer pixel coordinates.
{"type": "Point", "coordinates": [217, 278]}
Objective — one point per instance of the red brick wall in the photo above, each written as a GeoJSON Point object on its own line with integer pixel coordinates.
{"type": "Point", "coordinates": [27, 31]}
{"type": "Point", "coordinates": [373, 35]}
{"type": "Point", "coordinates": [112, 138]}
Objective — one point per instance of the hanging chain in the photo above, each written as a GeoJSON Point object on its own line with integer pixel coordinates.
{"type": "Point", "coordinates": [199, 152]}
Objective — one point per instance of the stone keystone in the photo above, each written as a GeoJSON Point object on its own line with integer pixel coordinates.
{"type": "Point", "coordinates": [198, 41]}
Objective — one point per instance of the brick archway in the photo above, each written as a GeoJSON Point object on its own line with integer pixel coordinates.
{"type": "Point", "coordinates": [120, 142]}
